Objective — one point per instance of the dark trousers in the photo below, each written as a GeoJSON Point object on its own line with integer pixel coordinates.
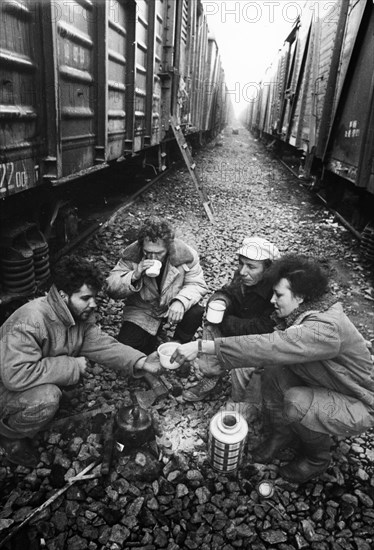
{"type": "Point", "coordinates": [138, 338]}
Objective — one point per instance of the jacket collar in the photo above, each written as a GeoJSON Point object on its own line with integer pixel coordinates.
{"type": "Point", "coordinates": [59, 307]}
{"type": "Point", "coordinates": [179, 253]}
{"type": "Point", "coordinates": [305, 309]}
{"type": "Point", "coordinates": [262, 288]}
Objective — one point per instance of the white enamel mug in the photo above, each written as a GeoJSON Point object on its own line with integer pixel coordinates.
{"type": "Point", "coordinates": [215, 312]}
{"type": "Point", "coordinates": [155, 269]}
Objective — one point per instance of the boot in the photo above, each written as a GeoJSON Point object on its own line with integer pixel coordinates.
{"type": "Point", "coordinates": [202, 390]}
{"type": "Point", "coordinates": [316, 456]}
{"type": "Point", "coordinates": [281, 437]}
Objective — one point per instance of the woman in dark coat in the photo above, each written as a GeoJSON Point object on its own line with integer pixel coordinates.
{"type": "Point", "coordinates": [318, 377]}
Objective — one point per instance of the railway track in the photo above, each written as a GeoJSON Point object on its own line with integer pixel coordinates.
{"type": "Point", "coordinates": [341, 218]}
{"type": "Point", "coordinates": [104, 217]}
{"type": "Point", "coordinates": [9, 301]}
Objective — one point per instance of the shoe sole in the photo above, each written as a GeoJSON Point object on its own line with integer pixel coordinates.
{"type": "Point", "coordinates": [194, 398]}
{"type": "Point", "coordinates": [261, 461]}
{"type": "Point", "coordinates": [305, 480]}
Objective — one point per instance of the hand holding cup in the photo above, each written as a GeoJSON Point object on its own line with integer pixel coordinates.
{"type": "Point", "coordinates": [154, 269]}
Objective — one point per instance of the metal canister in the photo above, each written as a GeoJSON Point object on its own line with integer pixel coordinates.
{"type": "Point", "coordinates": [227, 435]}
{"type": "Point", "coordinates": [133, 428]}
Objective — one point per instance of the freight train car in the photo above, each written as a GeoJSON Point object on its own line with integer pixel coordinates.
{"type": "Point", "coordinates": [86, 84]}
{"type": "Point", "coordinates": [317, 101]}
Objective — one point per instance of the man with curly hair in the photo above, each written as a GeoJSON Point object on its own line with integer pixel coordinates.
{"type": "Point", "coordinates": [172, 296]}
{"type": "Point", "coordinates": [47, 344]}
{"type": "Point", "coordinates": [318, 376]}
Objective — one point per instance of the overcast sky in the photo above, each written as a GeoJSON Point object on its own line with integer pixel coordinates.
{"type": "Point", "coordinates": [249, 35]}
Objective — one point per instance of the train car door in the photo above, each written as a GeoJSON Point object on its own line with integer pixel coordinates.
{"type": "Point", "coordinates": [141, 111]}
{"type": "Point", "coordinates": [71, 57]}
{"type": "Point", "coordinates": [22, 137]}
{"type": "Point", "coordinates": [116, 30]}
{"type": "Point", "coordinates": [351, 146]}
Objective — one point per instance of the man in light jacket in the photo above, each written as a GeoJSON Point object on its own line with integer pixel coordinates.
{"type": "Point", "coordinates": [46, 344]}
{"type": "Point", "coordinates": [172, 295]}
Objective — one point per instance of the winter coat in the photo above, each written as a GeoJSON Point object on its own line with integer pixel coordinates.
{"type": "Point", "coordinates": [42, 344]}
{"type": "Point", "coordinates": [146, 303]}
{"type": "Point", "coordinates": [325, 342]}
{"type": "Point", "coordinates": [248, 308]}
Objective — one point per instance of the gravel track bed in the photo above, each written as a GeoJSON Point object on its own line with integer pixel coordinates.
{"type": "Point", "coordinates": [176, 500]}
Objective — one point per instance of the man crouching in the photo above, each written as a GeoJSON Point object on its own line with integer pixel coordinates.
{"type": "Point", "coordinates": [47, 344]}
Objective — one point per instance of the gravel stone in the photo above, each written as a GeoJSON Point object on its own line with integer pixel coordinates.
{"type": "Point", "coordinates": [119, 534]}
{"type": "Point", "coordinates": [170, 497]}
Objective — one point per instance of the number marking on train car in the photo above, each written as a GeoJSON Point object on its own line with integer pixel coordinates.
{"type": "Point", "coordinates": [7, 170]}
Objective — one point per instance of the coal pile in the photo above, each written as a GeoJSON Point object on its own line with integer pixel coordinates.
{"type": "Point", "coordinates": [166, 494]}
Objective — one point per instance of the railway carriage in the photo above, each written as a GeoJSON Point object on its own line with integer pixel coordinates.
{"type": "Point", "coordinates": [87, 84]}
{"type": "Point", "coordinates": [317, 101]}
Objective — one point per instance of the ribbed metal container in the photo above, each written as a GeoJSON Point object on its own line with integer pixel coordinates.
{"type": "Point", "coordinates": [227, 435]}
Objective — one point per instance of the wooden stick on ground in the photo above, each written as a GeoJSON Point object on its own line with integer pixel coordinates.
{"type": "Point", "coordinates": [71, 481]}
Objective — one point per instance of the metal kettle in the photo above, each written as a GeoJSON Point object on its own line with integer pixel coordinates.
{"type": "Point", "coordinates": [133, 427]}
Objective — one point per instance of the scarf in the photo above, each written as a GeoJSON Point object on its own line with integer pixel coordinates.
{"type": "Point", "coordinates": [316, 306]}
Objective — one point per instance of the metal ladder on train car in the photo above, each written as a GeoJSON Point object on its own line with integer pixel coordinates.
{"type": "Point", "coordinates": [191, 165]}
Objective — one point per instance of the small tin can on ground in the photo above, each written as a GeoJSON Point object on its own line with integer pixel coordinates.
{"type": "Point", "coordinates": [265, 489]}
{"type": "Point", "coordinates": [227, 435]}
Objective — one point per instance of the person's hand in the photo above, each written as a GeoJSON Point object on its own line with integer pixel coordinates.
{"type": "Point", "coordinates": [83, 363]}
{"type": "Point", "coordinates": [142, 266]}
{"type": "Point", "coordinates": [175, 312]}
{"type": "Point", "coordinates": [149, 364]}
{"type": "Point", "coordinates": [185, 352]}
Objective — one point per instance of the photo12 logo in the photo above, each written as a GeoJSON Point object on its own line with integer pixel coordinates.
{"type": "Point", "coordinates": [271, 11]}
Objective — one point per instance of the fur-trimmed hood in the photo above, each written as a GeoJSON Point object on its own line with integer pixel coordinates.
{"type": "Point", "coordinates": [178, 254]}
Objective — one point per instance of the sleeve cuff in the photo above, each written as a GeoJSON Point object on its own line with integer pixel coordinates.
{"type": "Point", "coordinates": [139, 283]}
{"type": "Point", "coordinates": [183, 300]}
{"type": "Point", "coordinates": [217, 346]}
{"type": "Point", "coordinates": [135, 373]}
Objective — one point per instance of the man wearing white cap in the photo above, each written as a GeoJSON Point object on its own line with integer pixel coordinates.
{"type": "Point", "coordinates": [247, 311]}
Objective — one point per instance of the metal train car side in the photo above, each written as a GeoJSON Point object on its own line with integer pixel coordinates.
{"type": "Point", "coordinates": [88, 82]}
{"type": "Point", "coordinates": [317, 98]}
{"type": "Point", "coordinates": [88, 85]}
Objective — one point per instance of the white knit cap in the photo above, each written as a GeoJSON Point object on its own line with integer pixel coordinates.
{"type": "Point", "coordinates": [257, 248]}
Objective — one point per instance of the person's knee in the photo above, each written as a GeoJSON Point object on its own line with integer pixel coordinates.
{"type": "Point", "coordinates": [36, 408]}
{"type": "Point", "coordinates": [194, 315]}
{"type": "Point", "coordinates": [46, 398]}
{"type": "Point", "coordinates": [297, 401]}
{"type": "Point", "coordinates": [52, 394]}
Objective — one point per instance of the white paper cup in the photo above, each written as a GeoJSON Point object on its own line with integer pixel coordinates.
{"type": "Point", "coordinates": [155, 269]}
{"type": "Point", "coordinates": [215, 312]}
{"type": "Point", "coordinates": [165, 351]}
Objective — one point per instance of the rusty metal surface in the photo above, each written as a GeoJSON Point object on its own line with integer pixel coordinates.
{"type": "Point", "coordinates": [75, 60]}
{"type": "Point", "coordinates": [348, 140]}
{"type": "Point", "coordinates": [160, 7]}
{"type": "Point", "coordinates": [21, 115]}
{"type": "Point", "coordinates": [87, 82]}
{"type": "Point", "coordinates": [141, 74]}
{"type": "Point", "coordinates": [118, 46]}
